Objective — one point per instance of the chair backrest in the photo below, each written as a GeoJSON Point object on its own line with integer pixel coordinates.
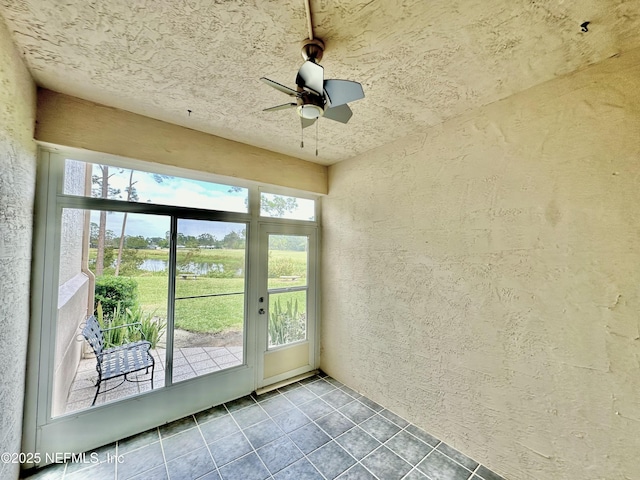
{"type": "Point", "coordinates": [93, 334]}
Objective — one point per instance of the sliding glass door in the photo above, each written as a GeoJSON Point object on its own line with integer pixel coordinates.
{"type": "Point", "coordinates": [210, 290]}
{"type": "Point", "coordinates": [124, 284]}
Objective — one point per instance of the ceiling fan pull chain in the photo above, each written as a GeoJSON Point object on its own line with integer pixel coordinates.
{"type": "Point", "coordinates": [317, 138]}
{"type": "Point", "coordinates": [302, 138]}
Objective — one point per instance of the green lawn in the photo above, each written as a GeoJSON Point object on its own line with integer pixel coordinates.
{"type": "Point", "coordinates": [212, 314]}
{"type": "Point", "coordinates": [208, 314]}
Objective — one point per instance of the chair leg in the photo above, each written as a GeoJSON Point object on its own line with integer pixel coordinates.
{"type": "Point", "coordinates": [151, 375]}
{"type": "Point", "coordinates": [97, 392]}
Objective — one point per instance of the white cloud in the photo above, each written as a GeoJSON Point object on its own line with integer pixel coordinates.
{"type": "Point", "coordinates": [179, 191]}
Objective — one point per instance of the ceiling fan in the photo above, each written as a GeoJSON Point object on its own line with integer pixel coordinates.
{"type": "Point", "coordinates": [314, 96]}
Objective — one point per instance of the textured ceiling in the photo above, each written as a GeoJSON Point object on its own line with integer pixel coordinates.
{"type": "Point", "coordinates": [420, 62]}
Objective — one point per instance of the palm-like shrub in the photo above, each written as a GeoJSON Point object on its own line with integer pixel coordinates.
{"type": "Point", "coordinates": [287, 325]}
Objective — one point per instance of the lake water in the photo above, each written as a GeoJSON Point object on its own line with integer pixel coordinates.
{"type": "Point", "coordinates": [199, 268]}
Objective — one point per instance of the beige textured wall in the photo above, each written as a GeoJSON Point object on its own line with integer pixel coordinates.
{"type": "Point", "coordinates": [482, 279]}
{"type": "Point", "coordinates": [17, 184]}
{"type": "Point", "coordinates": [72, 312]}
{"type": "Point", "coordinates": [73, 293]}
{"type": "Point", "coordinates": [73, 122]}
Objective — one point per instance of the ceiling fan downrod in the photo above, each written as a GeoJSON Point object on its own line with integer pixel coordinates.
{"type": "Point", "coordinates": [307, 8]}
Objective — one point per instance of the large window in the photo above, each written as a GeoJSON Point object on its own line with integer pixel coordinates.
{"type": "Point", "coordinates": [131, 185]}
{"type": "Point", "coordinates": [159, 276]}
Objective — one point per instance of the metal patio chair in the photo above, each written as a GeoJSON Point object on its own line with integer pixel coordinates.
{"type": "Point", "coordinates": [117, 361]}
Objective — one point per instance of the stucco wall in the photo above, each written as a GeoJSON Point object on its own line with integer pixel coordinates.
{"type": "Point", "coordinates": [73, 122]}
{"type": "Point", "coordinates": [73, 293]}
{"type": "Point", "coordinates": [72, 224]}
{"type": "Point", "coordinates": [17, 185]}
{"type": "Point", "coordinates": [482, 279]}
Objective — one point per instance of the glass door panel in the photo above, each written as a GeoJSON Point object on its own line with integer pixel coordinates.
{"type": "Point", "coordinates": [287, 272]}
{"type": "Point", "coordinates": [209, 312]}
{"type": "Point", "coordinates": [112, 265]}
{"type": "Point", "coordinates": [287, 317]}
{"type": "Point", "coordinates": [288, 283]}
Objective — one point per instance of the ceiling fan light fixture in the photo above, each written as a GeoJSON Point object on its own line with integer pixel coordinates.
{"type": "Point", "coordinates": [310, 112]}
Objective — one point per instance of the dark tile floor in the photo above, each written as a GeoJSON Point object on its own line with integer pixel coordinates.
{"type": "Point", "coordinates": [314, 429]}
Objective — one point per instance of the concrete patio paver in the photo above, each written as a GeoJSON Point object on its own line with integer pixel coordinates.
{"type": "Point", "coordinates": [188, 362]}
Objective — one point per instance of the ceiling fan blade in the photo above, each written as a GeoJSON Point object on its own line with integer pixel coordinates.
{"type": "Point", "coordinates": [311, 77]}
{"type": "Point", "coordinates": [307, 122]}
{"type": "Point", "coordinates": [280, 107]}
{"type": "Point", "coordinates": [282, 88]}
{"type": "Point", "coordinates": [340, 92]}
{"type": "Point", "coordinates": [341, 113]}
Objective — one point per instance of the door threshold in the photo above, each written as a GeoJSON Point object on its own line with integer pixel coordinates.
{"type": "Point", "coordinates": [284, 383]}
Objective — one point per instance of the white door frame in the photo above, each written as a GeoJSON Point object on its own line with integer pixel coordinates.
{"type": "Point", "coordinates": [309, 347]}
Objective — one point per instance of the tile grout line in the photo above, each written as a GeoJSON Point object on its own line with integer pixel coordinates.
{"type": "Point", "coordinates": [311, 421]}
{"type": "Point", "coordinates": [382, 444]}
{"type": "Point", "coordinates": [164, 457]}
{"type": "Point", "coordinates": [314, 422]}
{"type": "Point", "coordinates": [334, 438]}
{"type": "Point", "coordinates": [416, 467]}
{"type": "Point", "coordinates": [433, 448]}
{"type": "Point", "coordinates": [247, 439]}
{"type": "Point", "coordinates": [304, 455]}
{"type": "Point", "coordinates": [413, 467]}
{"type": "Point", "coordinates": [354, 396]}
{"type": "Point", "coordinates": [215, 464]}
{"type": "Point", "coordinates": [335, 410]}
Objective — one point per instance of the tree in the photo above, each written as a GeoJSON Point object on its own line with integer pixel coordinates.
{"type": "Point", "coordinates": [94, 230]}
{"type": "Point", "coordinates": [131, 195]}
{"type": "Point", "coordinates": [288, 242]}
{"type": "Point", "coordinates": [102, 189]}
{"type": "Point", "coordinates": [277, 205]}
{"type": "Point", "coordinates": [233, 240]}
{"type": "Point", "coordinates": [158, 242]}
{"type": "Point", "coordinates": [206, 240]}
{"type": "Point", "coordinates": [137, 242]}
{"type": "Point", "coordinates": [272, 205]}
{"type": "Point", "coordinates": [191, 242]}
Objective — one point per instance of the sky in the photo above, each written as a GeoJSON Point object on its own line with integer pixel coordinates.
{"type": "Point", "coordinates": [169, 190]}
